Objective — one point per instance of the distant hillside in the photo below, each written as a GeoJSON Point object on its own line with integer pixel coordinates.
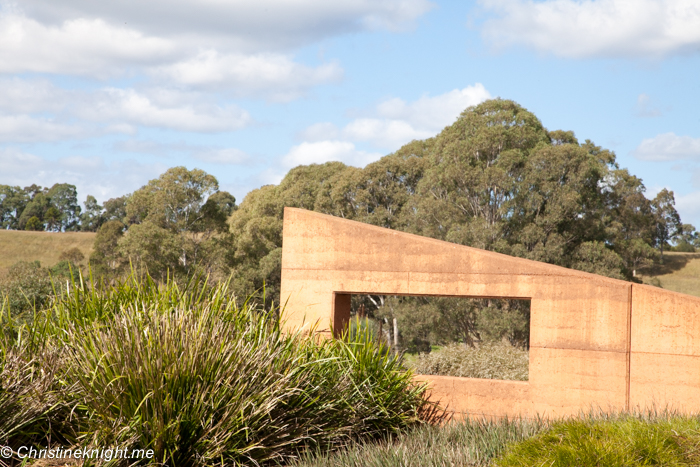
{"type": "Point", "coordinates": [20, 245]}
{"type": "Point", "coordinates": [680, 273]}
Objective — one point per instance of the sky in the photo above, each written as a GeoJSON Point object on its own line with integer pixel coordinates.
{"type": "Point", "coordinates": [108, 95]}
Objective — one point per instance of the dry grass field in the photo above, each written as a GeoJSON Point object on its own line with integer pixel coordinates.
{"type": "Point", "coordinates": [19, 245]}
{"type": "Point", "coordinates": [680, 273]}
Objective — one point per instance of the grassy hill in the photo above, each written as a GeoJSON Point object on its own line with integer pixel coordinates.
{"type": "Point", "coordinates": [19, 245]}
{"type": "Point", "coordinates": [680, 273]}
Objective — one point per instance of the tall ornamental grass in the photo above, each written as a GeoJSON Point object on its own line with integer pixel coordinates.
{"type": "Point", "coordinates": [34, 407]}
{"type": "Point", "coordinates": [187, 372]}
{"type": "Point", "coordinates": [460, 443]}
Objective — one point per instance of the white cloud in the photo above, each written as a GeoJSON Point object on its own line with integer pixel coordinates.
{"type": "Point", "coordinates": [645, 108]}
{"type": "Point", "coordinates": [688, 206]}
{"type": "Point", "coordinates": [95, 48]}
{"type": "Point", "coordinates": [223, 156]}
{"type": "Point", "coordinates": [246, 25]}
{"type": "Point", "coordinates": [76, 46]}
{"type": "Point", "coordinates": [403, 121]}
{"type": "Point", "coordinates": [384, 133]}
{"type": "Point", "coordinates": [325, 151]}
{"type": "Point", "coordinates": [275, 76]}
{"type": "Point", "coordinates": [214, 155]}
{"type": "Point", "coordinates": [668, 147]}
{"type": "Point", "coordinates": [24, 129]}
{"type": "Point", "coordinates": [36, 110]}
{"type": "Point", "coordinates": [395, 122]}
{"type": "Point", "coordinates": [162, 109]}
{"type": "Point", "coordinates": [234, 45]}
{"type": "Point", "coordinates": [15, 163]}
{"type": "Point", "coordinates": [29, 96]}
{"type": "Point", "coordinates": [600, 28]}
{"type": "Point", "coordinates": [319, 132]}
{"type": "Point", "coordinates": [90, 175]}
{"type": "Point", "coordinates": [434, 113]}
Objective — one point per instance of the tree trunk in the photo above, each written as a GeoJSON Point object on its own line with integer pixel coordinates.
{"type": "Point", "coordinates": [396, 336]}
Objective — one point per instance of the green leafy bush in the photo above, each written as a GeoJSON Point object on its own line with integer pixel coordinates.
{"type": "Point", "coordinates": [26, 287]}
{"type": "Point", "coordinates": [683, 247]}
{"type": "Point", "coordinates": [495, 360]}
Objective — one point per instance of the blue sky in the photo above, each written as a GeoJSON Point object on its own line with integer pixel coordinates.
{"type": "Point", "coordinates": [108, 95]}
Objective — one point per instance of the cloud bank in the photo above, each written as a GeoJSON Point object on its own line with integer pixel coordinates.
{"type": "Point", "coordinates": [600, 28]}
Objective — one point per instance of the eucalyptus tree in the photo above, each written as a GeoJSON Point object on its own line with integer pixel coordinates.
{"type": "Point", "coordinates": [667, 222]}
{"type": "Point", "coordinates": [176, 224]}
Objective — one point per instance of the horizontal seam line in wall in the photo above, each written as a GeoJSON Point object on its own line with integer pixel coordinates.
{"type": "Point", "coordinates": [603, 279]}
{"type": "Point", "coordinates": [581, 350]}
{"type": "Point", "coordinates": [665, 353]}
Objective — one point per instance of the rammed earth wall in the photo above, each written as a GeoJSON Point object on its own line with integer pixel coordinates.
{"type": "Point", "coordinates": [595, 342]}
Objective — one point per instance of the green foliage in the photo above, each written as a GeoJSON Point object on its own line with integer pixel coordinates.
{"type": "Point", "coordinates": [115, 209]}
{"type": "Point", "coordinates": [174, 228]}
{"type": "Point", "coordinates": [185, 371]}
{"type": "Point", "coordinates": [495, 360]}
{"type": "Point", "coordinates": [64, 199]}
{"type": "Point", "coordinates": [26, 287]}
{"type": "Point", "coordinates": [688, 234]}
{"type": "Point", "coordinates": [36, 208]}
{"type": "Point", "coordinates": [495, 179]}
{"type": "Point", "coordinates": [63, 271]}
{"type": "Point", "coordinates": [667, 221]}
{"type": "Point", "coordinates": [92, 218]}
{"type": "Point", "coordinates": [34, 211]}
{"type": "Point", "coordinates": [74, 255]}
{"type": "Point", "coordinates": [256, 227]}
{"type": "Point", "coordinates": [426, 321]}
{"type": "Point", "coordinates": [465, 443]}
{"type": "Point", "coordinates": [106, 261]}
{"type": "Point", "coordinates": [34, 223]}
{"type": "Point", "coordinates": [380, 194]}
{"type": "Point", "coordinates": [473, 173]}
{"type": "Point", "coordinates": [617, 441]}
{"type": "Point", "coordinates": [683, 247]}
{"type": "Point", "coordinates": [35, 408]}
{"type": "Point", "coordinates": [597, 258]}
{"type": "Point", "coordinates": [13, 200]}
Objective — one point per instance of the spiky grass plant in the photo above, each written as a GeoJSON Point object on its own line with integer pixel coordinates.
{"type": "Point", "coordinates": [34, 408]}
{"type": "Point", "coordinates": [462, 443]}
{"type": "Point", "coordinates": [496, 360]}
{"type": "Point", "coordinates": [187, 372]}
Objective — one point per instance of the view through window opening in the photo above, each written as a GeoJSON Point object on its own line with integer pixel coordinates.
{"type": "Point", "coordinates": [484, 338]}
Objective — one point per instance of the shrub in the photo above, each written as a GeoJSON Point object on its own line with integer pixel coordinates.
{"type": "Point", "coordinates": [683, 247]}
{"type": "Point", "coordinates": [34, 405]}
{"type": "Point", "coordinates": [496, 360]}
{"type": "Point", "coordinates": [623, 440]}
{"type": "Point", "coordinates": [73, 255]}
{"type": "Point", "coordinates": [27, 287]}
{"type": "Point", "coordinates": [186, 372]}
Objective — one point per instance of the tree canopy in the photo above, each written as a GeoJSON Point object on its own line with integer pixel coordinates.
{"type": "Point", "coordinates": [495, 179]}
{"type": "Point", "coordinates": [176, 224]}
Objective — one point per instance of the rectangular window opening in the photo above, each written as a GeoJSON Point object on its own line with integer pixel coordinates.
{"type": "Point", "coordinates": [487, 338]}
